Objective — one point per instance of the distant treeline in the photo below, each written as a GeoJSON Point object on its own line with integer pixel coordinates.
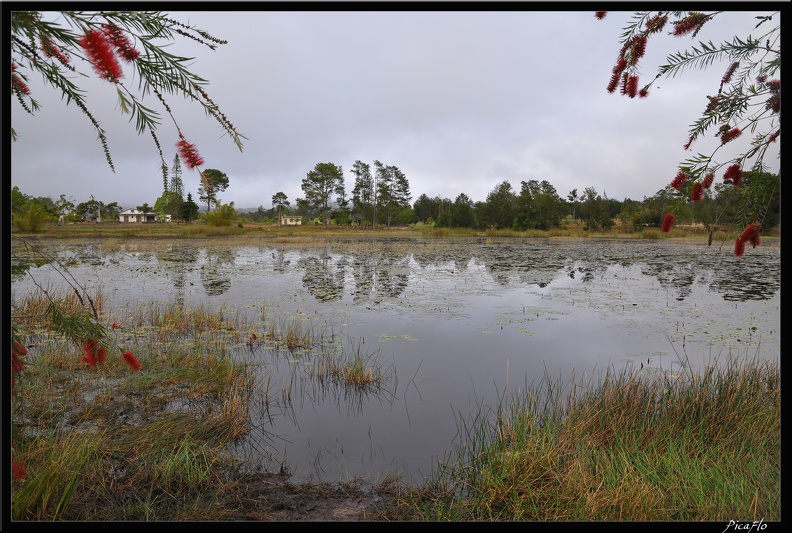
{"type": "Point", "coordinates": [536, 205]}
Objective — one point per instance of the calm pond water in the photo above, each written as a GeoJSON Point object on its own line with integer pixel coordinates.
{"type": "Point", "coordinates": [454, 324]}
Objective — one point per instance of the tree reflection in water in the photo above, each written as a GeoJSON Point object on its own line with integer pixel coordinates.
{"type": "Point", "coordinates": [217, 269]}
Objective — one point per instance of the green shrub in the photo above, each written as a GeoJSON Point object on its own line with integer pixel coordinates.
{"type": "Point", "coordinates": [30, 218]}
{"type": "Point", "coordinates": [223, 215]}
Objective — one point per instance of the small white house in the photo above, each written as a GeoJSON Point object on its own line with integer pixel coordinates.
{"type": "Point", "coordinates": [289, 220]}
{"type": "Point", "coordinates": [133, 215]}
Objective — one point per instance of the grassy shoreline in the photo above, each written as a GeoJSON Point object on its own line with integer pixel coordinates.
{"type": "Point", "coordinates": [265, 230]}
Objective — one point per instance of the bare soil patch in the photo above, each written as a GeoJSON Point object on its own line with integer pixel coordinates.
{"type": "Point", "coordinates": [267, 497]}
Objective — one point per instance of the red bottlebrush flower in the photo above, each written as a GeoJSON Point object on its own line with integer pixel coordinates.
{"type": "Point", "coordinates": [668, 221]}
{"type": "Point", "coordinates": [761, 79]}
{"type": "Point", "coordinates": [690, 140]}
{"type": "Point", "coordinates": [638, 47]}
{"type": "Point", "coordinates": [739, 248]}
{"type": "Point", "coordinates": [101, 56]}
{"type": "Point", "coordinates": [679, 180]}
{"type": "Point", "coordinates": [690, 24]}
{"type": "Point", "coordinates": [94, 353]}
{"type": "Point", "coordinates": [751, 234]}
{"type": "Point", "coordinates": [51, 50]}
{"type": "Point", "coordinates": [90, 346]}
{"type": "Point", "coordinates": [707, 182]}
{"type": "Point", "coordinates": [17, 353]}
{"type": "Point", "coordinates": [773, 137]}
{"type": "Point", "coordinates": [774, 85]}
{"type": "Point", "coordinates": [733, 175]}
{"type": "Point", "coordinates": [729, 71]}
{"type": "Point", "coordinates": [614, 82]}
{"type": "Point", "coordinates": [774, 103]}
{"type": "Point", "coordinates": [18, 469]}
{"type": "Point", "coordinates": [643, 93]}
{"type": "Point", "coordinates": [750, 231]}
{"type": "Point", "coordinates": [697, 194]}
{"type": "Point", "coordinates": [656, 23]}
{"type": "Point", "coordinates": [131, 360]}
{"type": "Point", "coordinates": [625, 78]}
{"type": "Point", "coordinates": [18, 85]}
{"type": "Point", "coordinates": [620, 66]}
{"type": "Point", "coordinates": [632, 86]}
{"type": "Point", "coordinates": [189, 154]}
{"type": "Point", "coordinates": [600, 14]}
{"type": "Point", "coordinates": [121, 42]}
{"type": "Point", "coordinates": [730, 135]}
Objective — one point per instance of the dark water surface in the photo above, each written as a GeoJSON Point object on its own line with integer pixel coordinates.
{"type": "Point", "coordinates": [454, 324]}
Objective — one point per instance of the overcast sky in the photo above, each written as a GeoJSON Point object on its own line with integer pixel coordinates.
{"type": "Point", "coordinates": [460, 101]}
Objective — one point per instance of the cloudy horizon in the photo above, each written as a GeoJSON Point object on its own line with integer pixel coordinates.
{"type": "Point", "coordinates": [460, 101]}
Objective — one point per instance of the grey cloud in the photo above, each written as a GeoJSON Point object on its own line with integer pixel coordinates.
{"type": "Point", "coordinates": [460, 101]}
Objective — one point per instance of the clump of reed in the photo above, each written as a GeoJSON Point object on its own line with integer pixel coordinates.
{"type": "Point", "coordinates": [651, 233]}
{"type": "Point", "coordinates": [295, 240]}
{"type": "Point", "coordinates": [437, 231]}
{"type": "Point", "coordinates": [559, 232]}
{"type": "Point", "coordinates": [168, 319]}
{"type": "Point", "coordinates": [109, 443]}
{"type": "Point", "coordinates": [205, 230]}
{"type": "Point", "coordinates": [291, 332]}
{"type": "Point", "coordinates": [353, 369]}
{"type": "Point", "coordinates": [506, 232]}
{"type": "Point", "coordinates": [32, 309]}
{"type": "Point", "coordinates": [633, 447]}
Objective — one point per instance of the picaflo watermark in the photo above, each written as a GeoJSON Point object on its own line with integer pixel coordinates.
{"type": "Point", "coordinates": [734, 525]}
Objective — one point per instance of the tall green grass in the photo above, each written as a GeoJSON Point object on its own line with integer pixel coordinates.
{"type": "Point", "coordinates": [633, 448]}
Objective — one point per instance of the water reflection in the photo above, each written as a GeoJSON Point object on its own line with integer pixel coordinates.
{"type": "Point", "coordinates": [216, 270]}
{"type": "Point", "coordinates": [453, 323]}
{"type": "Point", "coordinates": [280, 263]}
{"type": "Point", "coordinates": [379, 276]}
{"type": "Point", "coordinates": [384, 272]}
{"type": "Point", "coordinates": [325, 283]}
{"type": "Point", "coordinates": [179, 261]}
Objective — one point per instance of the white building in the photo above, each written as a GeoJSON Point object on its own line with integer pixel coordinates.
{"type": "Point", "coordinates": [289, 220]}
{"type": "Point", "coordinates": [133, 215]}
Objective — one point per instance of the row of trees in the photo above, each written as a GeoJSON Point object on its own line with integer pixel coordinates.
{"type": "Point", "coordinates": [382, 198]}
{"type": "Point", "coordinates": [537, 205]}
{"type": "Point", "coordinates": [172, 202]}
{"type": "Point", "coordinates": [381, 195]}
{"type": "Point", "coordinates": [64, 208]}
